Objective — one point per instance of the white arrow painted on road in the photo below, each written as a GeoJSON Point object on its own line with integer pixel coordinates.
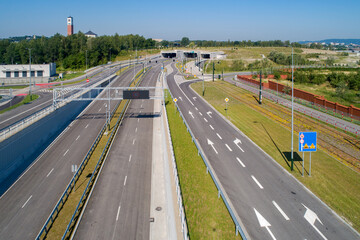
{"type": "Point", "coordinates": [311, 217]}
{"type": "Point", "coordinates": [212, 145]}
{"type": "Point", "coordinates": [264, 223]}
{"type": "Point", "coordinates": [194, 98]}
{"type": "Point", "coordinates": [208, 113]}
{"type": "Point", "coordinates": [237, 141]}
{"type": "Point", "coordinates": [180, 98]}
{"type": "Point", "coordinates": [191, 114]}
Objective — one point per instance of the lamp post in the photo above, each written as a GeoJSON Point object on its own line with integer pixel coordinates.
{"type": "Point", "coordinates": [292, 108]}
{"type": "Point", "coordinates": [203, 84]}
{"type": "Point", "coordinates": [30, 72]}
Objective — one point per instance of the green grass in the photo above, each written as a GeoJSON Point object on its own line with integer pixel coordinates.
{"type": "Point", "coordinates": [333, 182]}
{"type": "Point", "coordinates": [70, 76]}
{"type": "Point", "coordinates": [14, 87]}
{"type": "Point", "coordinates": [206, 214]}
{"type": "Point", "coordinates": [26, 100]}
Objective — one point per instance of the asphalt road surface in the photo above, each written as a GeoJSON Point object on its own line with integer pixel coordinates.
{"type": "Point", "coordinates": [119, 207]}
{"type": "Point", "coordinates": [271, 204]}
{"type": "Point", "coordinates": [27, 204]}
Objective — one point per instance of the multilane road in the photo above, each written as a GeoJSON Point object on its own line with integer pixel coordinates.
{"type": "Point", "coordinates": [25, 207]}
{"type": "Point", "coordinates": [270, 203]}
{"type": "Point", "coordinates": [119, 207]}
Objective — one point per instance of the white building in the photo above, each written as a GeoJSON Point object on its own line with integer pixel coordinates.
{"type": "Point", "coordinates": [20, 73]}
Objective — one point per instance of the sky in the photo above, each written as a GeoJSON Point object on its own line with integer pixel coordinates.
{"type": "Point", "coordinates": [219, 20]}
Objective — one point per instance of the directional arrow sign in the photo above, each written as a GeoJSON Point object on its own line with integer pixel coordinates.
{"type": "Point", "coordinates": [191, 114]}
{"type": "Point", "coordinates": [237, 141]}
{"type": "Point", "coordinates": [311, 217]}
{"type": "Point", "coordinates": [208, 113]}
{"type": "Point", "coordinates": [264, 223]}
{"type": "Point", "coordinates": [212, 145]}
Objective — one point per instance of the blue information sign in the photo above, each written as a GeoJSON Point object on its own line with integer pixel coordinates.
{"type": "Point", "coordinates": [307, 141]}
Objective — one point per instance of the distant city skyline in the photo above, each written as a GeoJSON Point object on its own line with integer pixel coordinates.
{"type": "Point", "coordinates": [197, 20]}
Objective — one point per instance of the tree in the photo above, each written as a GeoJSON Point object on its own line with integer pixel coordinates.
{"type": "Point", "coordinates": [185, 41]}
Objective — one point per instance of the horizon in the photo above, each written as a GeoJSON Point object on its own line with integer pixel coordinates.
{"type": "Point", "coordinates": [206, 20]}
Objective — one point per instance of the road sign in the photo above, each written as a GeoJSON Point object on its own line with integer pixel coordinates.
{"type": "Point", "coordinates": [136, 94]}
{"type": "Point", "coordinates": [175, 100]}
{"type": "Point", "coordinates": [87, 80]}
{"type": "Point", "coordinates": [226, 99]}
{"type": "Point", "coordinates": [307, 141]}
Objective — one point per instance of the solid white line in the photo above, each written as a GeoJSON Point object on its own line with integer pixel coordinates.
{"type": "Point", "coordinates": [242, 164]}
{"type": "Point", "coordinates": [134, 141]}
{"type": "Point", "coordinates": [77, 138]}
{"type": "Point", "coordinates": [257, 182]}
{"type": "Point", "coordinates": [281, 211]}
{"type": "Point", "coordinates": [135, 129]}
{"type": "Point", "coordinates": [211, 127]}
{"type": "Point", "coordinates": [26, 201]}
{"type": "Point", "coordinates": [118, 212]}
{"type": "Point", "coordinates": [205, 120]}
{"type": "Point", "coordinates": [184, 95]}
{"type": "Point", "coordinates": [66, 152]}
{"type": "Point", "coordinates": [50, 172]}
{"type": "Point", "coordinates": [125, 180]}
{"type": "Point", "coordinates": [99, 110]}
{"type": "Point", "coordinates": [130, 157]}
{"type": "Point", "coordinates": [87, 126]}
{"type": "Point", "coordinates": [200, 113]}
{"type": "Point", "coordinates": [228, 147]}
{"type": "Point", "coordinates": [219, 135]}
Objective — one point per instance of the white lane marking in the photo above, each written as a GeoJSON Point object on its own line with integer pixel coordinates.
{"type": "Point", "coordinates": [211, 127]}
{"type": "Point", "coordinates": [281, 211]}
{"type": "Point", "coordinates": [135, 129]}
{"type": "Point", "coordinates": [228, 147]}
{"type": "Point", "coordinates": [257, 182]}
{"type": "Point", "coordinates": [134, 141]}
{"type": "Point", "coordinates": [87, 126]}
{"type": "Point", "coordinates": [191, 114]}
{"type": "Point", "coordinates": [138, 119]}
{"type": "Point", "coordinates": [242, 164]}
{"type": "Point", "coordinates": [311, 217]}
{"type": "Point", "coordinates": [196, 108]}
{"type": "Point", "coordinates": [50, 172]}
{"type": "Point", "coordinates": [219, 135]}
{"type": "Point", "coordinates": [184, 95]}
{"type": "Point", "coordinates": [94, 117]}
{"type": "Point", "coordinates": [205, 120]}
{"type": "Point", "coordinates": [237, 141]}
{"type": "Point", "coordinates": [77, 138]}
{"type": "Point", "coordinates": [118, 212]}
{"type": "Point", "coordinates": [264, 223]}
{"type": "Point", "coordinates": [125, 180]}
{"type": "Point", "coordinates": [130, 157]}
{"type": "Point", "coordinates": [99, 110]}
{"type": "Point", "coordinates": [200, 113]}
{"type": "Point", "coordinates": [141, 106]}
{"type": "Point", "coordinates": [66, 152]}
{"type": "Point", "coordinates": [212, 145]}
{"type": "Point", "coordinates": [208, 113]}
{"type": "Point", "coordinates": [140, 111]}
{"type": "Point", "coordinates": [26, 201]}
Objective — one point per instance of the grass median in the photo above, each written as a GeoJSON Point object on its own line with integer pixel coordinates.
{"type": "Point", "coordinates": [28, 99]}
{"type": "Point", "coordinates": [206, 214]}
{"type": "Point", "coordinates": [333, 182]}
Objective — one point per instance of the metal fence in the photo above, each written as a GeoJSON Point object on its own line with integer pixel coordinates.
{"type": "Point", "coordinates": [221, 191]}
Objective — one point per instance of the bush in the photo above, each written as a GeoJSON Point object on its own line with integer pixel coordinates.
{"type": "Point", "coordinates": [277, 75]}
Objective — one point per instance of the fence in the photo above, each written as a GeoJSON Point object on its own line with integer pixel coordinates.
{"type": "Point", "coordinates": [209, 168]}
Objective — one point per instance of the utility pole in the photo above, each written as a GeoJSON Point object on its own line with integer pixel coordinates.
{"type": "Point", "coordinates": [213, 71]}
{"type": "Point", "coordinates": [30, 72]}
{"type": "Point", "coordinates": [260, 97]}
{"type": "Point", "coordinates": [292, 108]}
{"type": "Point", "coordinates": [203, 84]}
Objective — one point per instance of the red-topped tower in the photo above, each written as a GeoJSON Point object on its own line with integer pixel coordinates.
{"type": "Point", "coordinates": [70, 26]}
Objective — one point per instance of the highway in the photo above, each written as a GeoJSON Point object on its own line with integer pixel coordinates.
{"type": "Point", "coordinates": [270, 203]}
{"type": "Point", "coordinates": [119, 207]}
{"type": "Point", "coordinates": [25, 206]}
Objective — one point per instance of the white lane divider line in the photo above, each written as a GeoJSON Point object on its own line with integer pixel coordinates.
{"type": "Point", "coordinates": [134, 141]}
{"type": "Point", "coordinates": [26, 201]}
{"type": "Point", "coordinates": [130, 157]}
{"type": "Point", "coordinates": [99, 110]}
{"type": "Point", "coordinates": [257, 182]}
{"type": "Point", "coordinates": [196, 108]}
{"type": "Point", "coordinates": [87, 126]}
{"type": "Point", "coordinates": [50, 172]}
{"type": "Point", "coordinates": [211, 127]}
{"type": "Point", "coordinates": [77, 138]}
{"type": "Point", "coordinates": [205, 120]}
{"type": "Point", "coordinates": [281, 211]}
{"type": "Point", "coordinates": [241, 163]}
{"type": "Point", "coordinates": [125, 180]}
{"type": "Point", "coordinates": [66, 152]}
{"type": "Point", "coordinates": [219, 135]}
{"type": "Point", "coordinates": [138, 119]}
{"type": "Point", "coordinates": [200, 113]}
{"type": "Point", "coordinates": [135, 129]}
{"type": "Point", "coordinates": [118, 212]}
{"type": "Point", "coordinates": [228, 147]}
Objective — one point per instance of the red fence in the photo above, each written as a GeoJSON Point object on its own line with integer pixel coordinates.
{"type": "Point", "coordinates": [316, 99]}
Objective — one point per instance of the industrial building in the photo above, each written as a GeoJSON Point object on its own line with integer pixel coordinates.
{"type": "Point", "coordinates": [20, 73]}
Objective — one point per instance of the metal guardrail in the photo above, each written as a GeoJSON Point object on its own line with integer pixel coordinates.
{"type": "Point", "coordinates": [184, 228]}
{"type": "Point", "coordinates": [209, 168]}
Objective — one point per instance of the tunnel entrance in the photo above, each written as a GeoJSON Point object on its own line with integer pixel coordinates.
{"type": "Point", "coordinates": [168, 55]}
{"type": "Point", "coordinates": [190, 54]}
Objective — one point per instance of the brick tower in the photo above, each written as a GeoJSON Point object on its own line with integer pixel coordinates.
{"type": "Point", "coordinates": [70, 26]}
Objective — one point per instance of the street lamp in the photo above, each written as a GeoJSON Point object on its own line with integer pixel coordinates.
{"type": "Point", "coordinates": [292, 108]}
{"type": "Point", "coordinates": [30, 71]}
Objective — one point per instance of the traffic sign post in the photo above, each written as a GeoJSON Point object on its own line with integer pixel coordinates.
{"type": "Point", "coordinates": [175, 100]}
{"type": "Point", "coordinates": [307, 143]}
{"type": "Point", "coordinates": [226, 101]}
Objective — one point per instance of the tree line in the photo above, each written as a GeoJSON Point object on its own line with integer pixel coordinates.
{"type": "Point", "coordinates": [71, 51]}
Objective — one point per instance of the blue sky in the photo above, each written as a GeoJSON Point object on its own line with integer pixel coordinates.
{"type": "Point", "coordinates": [197, 19]}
